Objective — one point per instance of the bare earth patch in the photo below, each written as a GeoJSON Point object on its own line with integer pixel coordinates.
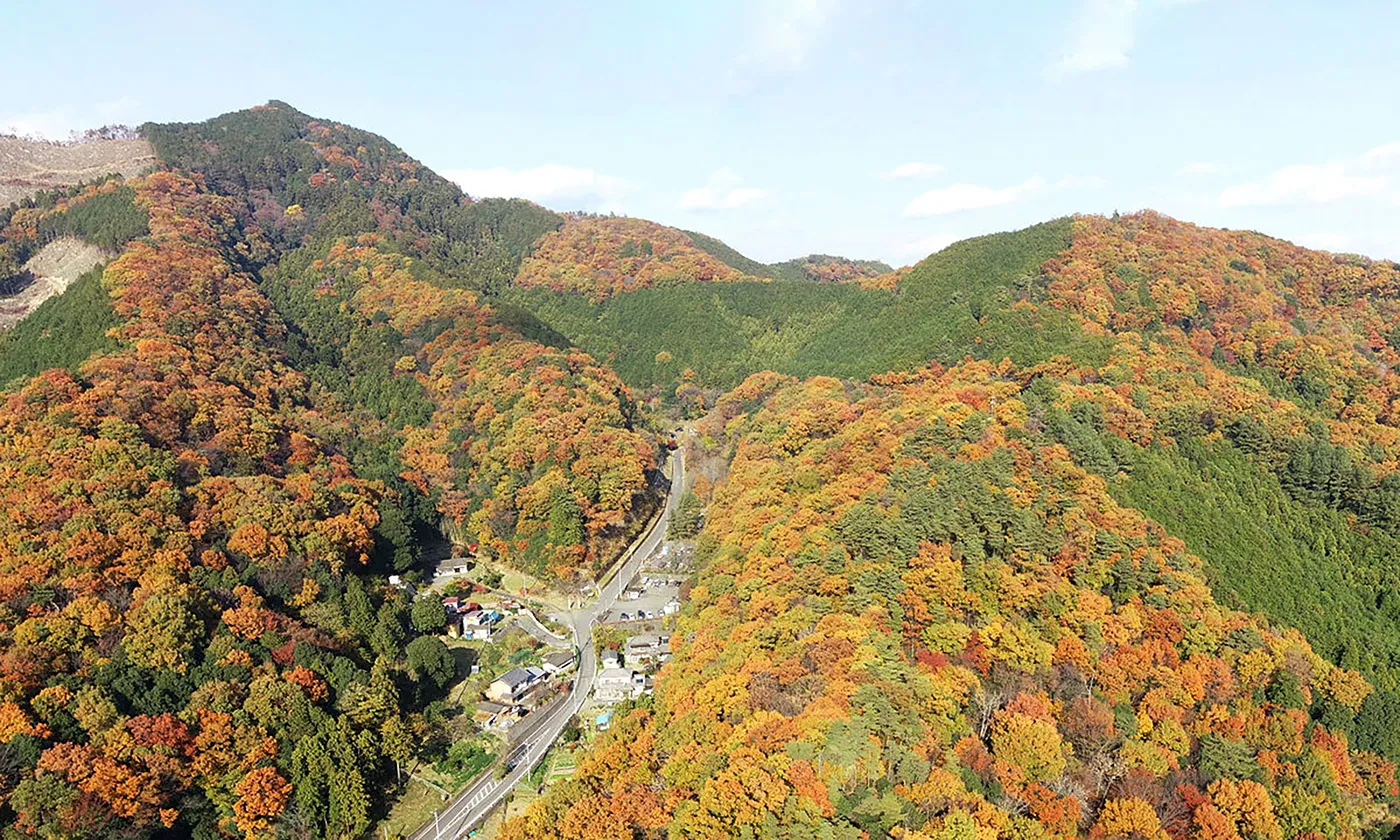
{"type": "Point", "coordinates": [55, 266]}
{"type": "Point", "coordinates": [27, 166]}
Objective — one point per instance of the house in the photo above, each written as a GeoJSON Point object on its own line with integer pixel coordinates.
{"type": "Point", "coordinates": [493, 715]}
{"type": "Point", "coordinates": [559, 661]}
{"type": "Point", "coordinates": [452, 567]}
{"type": "Point", "coordinates": [613, 685]}
{"type": "Point", "coordinates": [475, 625]}
{"type": "Point", "coordinates": [513, 684]}
{"type": "Point", "coordinates": [612, 659]}
{"type": "Point", "coordinates": [539, 693]}
{"type": "Point", "coordinates": [648, 649]}
{"type": "Point", "coordinates": [477, 632]}
{"type": "Point", "coordinates": [480, 624]}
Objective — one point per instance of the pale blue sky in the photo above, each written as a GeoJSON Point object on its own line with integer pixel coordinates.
{"type": "Point", "coordinates": [871, 129]}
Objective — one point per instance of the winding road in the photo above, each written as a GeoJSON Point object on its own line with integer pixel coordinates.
{"type": "Point", "coordinates": [468, 808]}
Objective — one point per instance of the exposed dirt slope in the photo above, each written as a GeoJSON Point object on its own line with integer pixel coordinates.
{"type": "Point", "coordinates": [27, 166]}
{"type": "Point", "coordinates": [55, 266]}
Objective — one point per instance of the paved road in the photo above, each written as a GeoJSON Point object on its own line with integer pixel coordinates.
{"type": "Point", "coordinates": [471, 806]}
{"type": "Point", "coordinates": [531, 625]}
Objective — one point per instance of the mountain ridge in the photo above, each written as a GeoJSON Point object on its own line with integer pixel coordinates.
{"type": "Point", "coordinates": [1079, 530]}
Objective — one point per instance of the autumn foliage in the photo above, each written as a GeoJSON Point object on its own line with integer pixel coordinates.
{"type": "Point", "coordinates": [531, 451]}
{"type": "Point", "coordinates": [158, 514]}
{"type": "Point", "coordinates": [917, 617]}
{"type": "Point", "coordinates": [600, 256]}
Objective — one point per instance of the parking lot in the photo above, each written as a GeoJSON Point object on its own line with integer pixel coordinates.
{"type": "Point", "coordinates": [645, 598]}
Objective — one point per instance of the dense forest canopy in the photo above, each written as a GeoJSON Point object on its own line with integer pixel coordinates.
{"type": "Point", "coordinates": [181, 610]}
{"type": "Point", "coordinates": [217, 447]}
{"type": "Point", "coordinates": [976, 297]}
{"type": "Point", "coordinates": [294, 175]}
{"type": "Point", "coordinates": [917, 617]}
{"type": "Point", "coordinates": [1083, 529]}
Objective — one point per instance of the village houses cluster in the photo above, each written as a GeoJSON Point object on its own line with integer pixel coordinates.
{"type": "Point", "coordinates": [624, 673]}
{"type": "Point", "coordinates": [622, 677]}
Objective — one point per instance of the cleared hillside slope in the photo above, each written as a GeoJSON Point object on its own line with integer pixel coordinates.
{"type": "Point", "coordinates": [29, 166]}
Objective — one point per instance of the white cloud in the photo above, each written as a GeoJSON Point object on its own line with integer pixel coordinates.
{"type": "Point", "coordinates": [1326, 241]}
{"type": "Point", "coordinates": [1307, 184]}
{"type": "Point", "coordinates": [1381, 156]}
{"type": "Point", "coordinates": [1201, 168]}
{"type": "Point", "coordinates": [1081, 182]}
{"type": "Point", "coordinates": [970, 197]}
{"type": "Point", "coordinates": [1104, 33]}
{"type": "Point", "coordinates": [61, 122]}
{"type": "Point", "coordinates": [786, 31]}
{"type": "Point", "coordinates": [925, 245]}
{"type": "Point", "coordinates": [1382, 247]}
{"type": "Point", "coordinates": [584, 189]}
{"type": "Point", "coordinates": [1375, 174]}
{"type": "Point", "coordinates": [722, 191]}
{"type": "Point", "coordinates": [914, 169]}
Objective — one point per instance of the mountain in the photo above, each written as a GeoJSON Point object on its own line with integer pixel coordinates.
{"type": "Point", "coordinates": [822, 268]}
{"type": "Point", "coordinates": [907, 619]}
{"type": "Point", "coordinates": [917, 617]}
{"type": "Point", "coordinates": [1085, 529]}
{"type": "Point", "coordinates": [216, 451]}
{"type": "Point", "coordinates": [339, 180]}
{"type": "Point", "coordinates": [600, 256]}
{"type": "Point", "coordinates": [28, 167]}
{"type": "Point", "coordinates": [702, 339]}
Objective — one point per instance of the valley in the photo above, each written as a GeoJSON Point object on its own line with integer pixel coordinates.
{"type": "Point", "coordinates": [310, 460]}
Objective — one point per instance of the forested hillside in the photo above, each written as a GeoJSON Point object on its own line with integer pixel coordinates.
{"type": "Point", "coordinates": [186, 642]}
{"type": "Point", "coordinates": [531, 452]}
{"type": "Point", "coordinates": [1087, 529]}
{"type": "Point", "coordinates": [1234, 388]}
{"type": "Point", "coordinates": [916, 616]}
{"type": "Point", "coordinates": [295, 175]}
{"type": "Point", "coordinates": [601, 256]}
{"type": "Point", "coordinates": [241, 426]}
{"type": "Point", "coordinates": [102, 215]}
{"type": "Point", "coordinates": [598, 256]}
{"type": "Point", "coordinates": [822, 268]}
{"type": "Point", "coordinates": [976, 297]}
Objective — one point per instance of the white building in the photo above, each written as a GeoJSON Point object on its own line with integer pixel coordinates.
{"type": "Point", "coordinates": [480, 624]}
{"type": "Point", "coordinates": [559, 662]}
{"type": "Point", "coordinates": [613, 685]}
